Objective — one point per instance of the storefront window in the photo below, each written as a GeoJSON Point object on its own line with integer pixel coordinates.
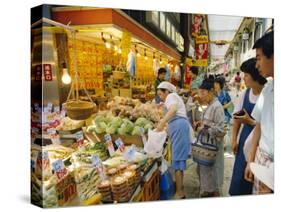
{"type": "Point", "coordinates": [155, 17]}
{"type": "Point", "coordinates": [168, 28]}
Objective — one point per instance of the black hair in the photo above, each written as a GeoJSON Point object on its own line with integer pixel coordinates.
{"type": "Point", "coordinates": [207, 84]}
{"type": "Point", "coordinates": [220, 81]}
{"type": "Point", "coordinates": [163, 90]}
{"type": "Point", "coordinates": [194, 70]}
{"type": "Point", "coordinates": [249, 66]}
{"type": "Point", "coordinates": [266, 44]}
{"type": "Point", "coordinates": [162, 71]}
{"type": "Point", "coordinates": [238, 73]}
{"type": "Point", "coordinates": [211, 77]}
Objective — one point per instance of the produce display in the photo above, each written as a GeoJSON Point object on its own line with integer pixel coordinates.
{"type": "Point", "coordinates": [85, 155]}
{"type": "Point", "coordinates": [68, 124]}
{"type": "Point", "coordinates": [108, 123]}
{"type": "Point", "coordinates": [87, 180]}
{"type": "Point", "coordinates": [133, 109]}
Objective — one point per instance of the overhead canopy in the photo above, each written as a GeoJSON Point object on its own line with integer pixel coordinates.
{"type": "Point", "coordinates": [221, 28]}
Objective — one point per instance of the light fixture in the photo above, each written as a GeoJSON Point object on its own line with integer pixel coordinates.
{"type": "Point", "coordinates": [119, 50]}
{"type": "Point", "coordinates": [181, 64]}
{"type": "Point", "coordinates": [154, 59]}
{"type": "Point", "coordinates": [137, 52]}
{"type": "Point", "coordinates": [66, 79]}
{"type": "Point", "coordinates": [145, 57]}
{"type": "Point", "coordinates": [115, 47]}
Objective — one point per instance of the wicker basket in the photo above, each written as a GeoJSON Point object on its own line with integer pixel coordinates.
{"type": "Point", "coordinates": [118, 75]}
{"type": "Point", "coordinates": [80, 110]}
{"type": "Point", "coordinates": [204, 153]}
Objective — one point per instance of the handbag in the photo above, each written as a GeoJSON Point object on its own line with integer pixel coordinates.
{"type": "Point", "coordinates": [204, 152]}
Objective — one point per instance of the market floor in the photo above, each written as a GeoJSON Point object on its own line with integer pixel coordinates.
{"type": "Point", "coordinates": [191, 180]}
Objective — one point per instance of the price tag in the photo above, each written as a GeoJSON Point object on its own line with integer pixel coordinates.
{"type": "Point", "coordinates": [57, 109]}
{"type": "Point", "coordinates": [59, 169]}
{"type": "Point", "coordinates": [53, 135]}
{"type": "Point", "coordinates": [97, 164]}
{"type": "Point", "coordinates": [130, 153]}
{"type": "Point", "coordinates": [63, 111]}
{"type": "Point", "coordinates": [120, 145]}
{"type": "Point", "coordinates": [79, 138]}
{"type": "Point", "coordinates": [50, 107]}
{"type": "Point", "coordinates": [109, 144]}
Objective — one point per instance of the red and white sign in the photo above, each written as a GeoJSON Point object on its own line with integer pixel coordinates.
{"type": "Point", "coordinates": [48, 72]}
{"type": "Point", "coordinates": [38, 73]}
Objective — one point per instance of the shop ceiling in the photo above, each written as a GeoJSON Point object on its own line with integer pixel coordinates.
{"type": "Point", "coordinates": [222, 28]}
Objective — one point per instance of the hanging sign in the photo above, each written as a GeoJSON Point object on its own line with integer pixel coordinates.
{"type": "Point", "coordinates": [38, 73]}
{"type": "Point", "coordinates": [120, 145]}
{"type": "Point", "coordinates": [47, 68]}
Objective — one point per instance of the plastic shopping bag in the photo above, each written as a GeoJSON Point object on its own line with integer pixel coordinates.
{"type": "Point", "coordinates": [154, 145]}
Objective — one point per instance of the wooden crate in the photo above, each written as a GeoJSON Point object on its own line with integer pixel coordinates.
{"type": "Point", "coordinates": [151, 191]}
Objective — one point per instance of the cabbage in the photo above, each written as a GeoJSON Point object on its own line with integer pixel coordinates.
{"type": "Point", "coordinates": [148, 126]}
{"type": "Point", "coordinates": [141, 122]}
{"type": "Point", "coordinates": [111, 129]}
{"type": "Point", "coordinates": [116, 122]}
{"type": "Point", "coordinates": [122, 131]}
{"type": "Point", "coordinates": [137, 130]}
{"type": "Point", "coordinates": [102, 125]}
{"type": "Point", "coordinates": [99, 118]}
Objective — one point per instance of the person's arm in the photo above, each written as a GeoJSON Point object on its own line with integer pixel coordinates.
{"type": "Point", "coordinates": [235, 130]}
{"type": "Point", "coordinates": [170, 114]}
{"type": "Point", "coordinates": [248, 175]}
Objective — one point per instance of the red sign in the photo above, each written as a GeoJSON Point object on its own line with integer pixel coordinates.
{"type": "Point", "coordinates": [38, 73]}
{"type": "Point", "coordinates": [48, 72]}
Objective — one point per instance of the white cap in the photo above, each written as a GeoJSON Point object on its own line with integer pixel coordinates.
{"type": "Point", "coordinates": [264, 173]}
{"type": "Point", "coordinates": [166, 85]}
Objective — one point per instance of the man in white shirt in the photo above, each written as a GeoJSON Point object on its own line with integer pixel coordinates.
{"type": "Point", "coordinates": [262, 150]}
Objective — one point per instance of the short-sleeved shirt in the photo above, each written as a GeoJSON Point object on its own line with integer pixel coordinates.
{"type": "Point", "coordinates": [239, 103]}
{"type": "Point", "coordinates": [175, 99]}
{"type": "Point", "coordinates": [264, 114]}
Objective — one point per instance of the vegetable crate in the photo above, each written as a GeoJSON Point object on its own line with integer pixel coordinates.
{"type": "Point", "coordinates": [151, 191]}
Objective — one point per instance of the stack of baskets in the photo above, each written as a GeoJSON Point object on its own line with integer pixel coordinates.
{"type": "Point", "coordinates": [137, 170]}
{"type": "Point", "coordinates": [120, 189]}
{"type": "Point", "coordinates": [105, 189]}
{"type": "Point", "coordinates": [130, 176]}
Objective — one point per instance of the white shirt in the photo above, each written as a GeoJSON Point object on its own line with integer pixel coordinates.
{"type": "Point", "coordinates": [175, 99]}
{"type": "Point", "coordinates": [239, 103]}
{"type": "Point", "coordinates": [264, 114]}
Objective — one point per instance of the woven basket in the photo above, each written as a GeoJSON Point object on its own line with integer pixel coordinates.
{"type": "Point", "coordinates": [118, 75]}
{"type": "Point", "coordinates": [204, 153]}
{"type": "Point", "coordinates": [80, 110]}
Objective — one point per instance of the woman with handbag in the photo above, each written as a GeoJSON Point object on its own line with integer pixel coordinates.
{"type": "Point", "coordinates": [245, 105]}
{"type": "Point", "coordinates": [211, 176]}
{"type": "Point", "coordinates": [179, 130]}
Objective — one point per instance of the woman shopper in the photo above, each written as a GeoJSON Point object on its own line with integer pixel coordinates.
{"type": "Point", "coordinates": [211, 177]}
{"type": "Point", "coordinates": [179, 130]}
{"type": "Point", "coordinates": [246, 102]}
{"type": "Point", "coordinates": [223, 97]}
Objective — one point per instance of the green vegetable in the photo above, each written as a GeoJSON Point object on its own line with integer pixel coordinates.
{"type": "Point", "coordinates": [90, 129]}
{"type": "Point", "coordinates": [141, 122]}
{"type": "Point", "coordinates": [147, 127]}
{"type": "Point", "coordinates": [99, 130]}
{"type": "Point", "coordinates": [99, 118]}
{"type": "Point", "coordinates": [109, 117]}
{"type": "Point", "coordinates": [137, 130]}
{"type": "Point", "coordinates": [111, 129]}
{"type": "Point", "coordinates": [116, 122]}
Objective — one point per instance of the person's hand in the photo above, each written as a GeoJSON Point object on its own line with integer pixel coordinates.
{"type": "Point", "coordinates": [245, 119]}
{"type": "Point", "coordinates": [248, 175]}
{"type": "Point", "coordinates": [234, 147]}
{"type": "Point", "coordinates": [197, 125]}
{"type": "Point", "coordinates": [161, 125]}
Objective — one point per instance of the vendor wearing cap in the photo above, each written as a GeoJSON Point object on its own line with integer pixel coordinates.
{"type": "Point", "coordinates": [179, 130]}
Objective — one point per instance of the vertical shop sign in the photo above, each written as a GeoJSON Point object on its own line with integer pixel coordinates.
{"type": "Point", "coordinates": [38, 73]}
{"type": "Point", "coordinates": [47, 68]}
